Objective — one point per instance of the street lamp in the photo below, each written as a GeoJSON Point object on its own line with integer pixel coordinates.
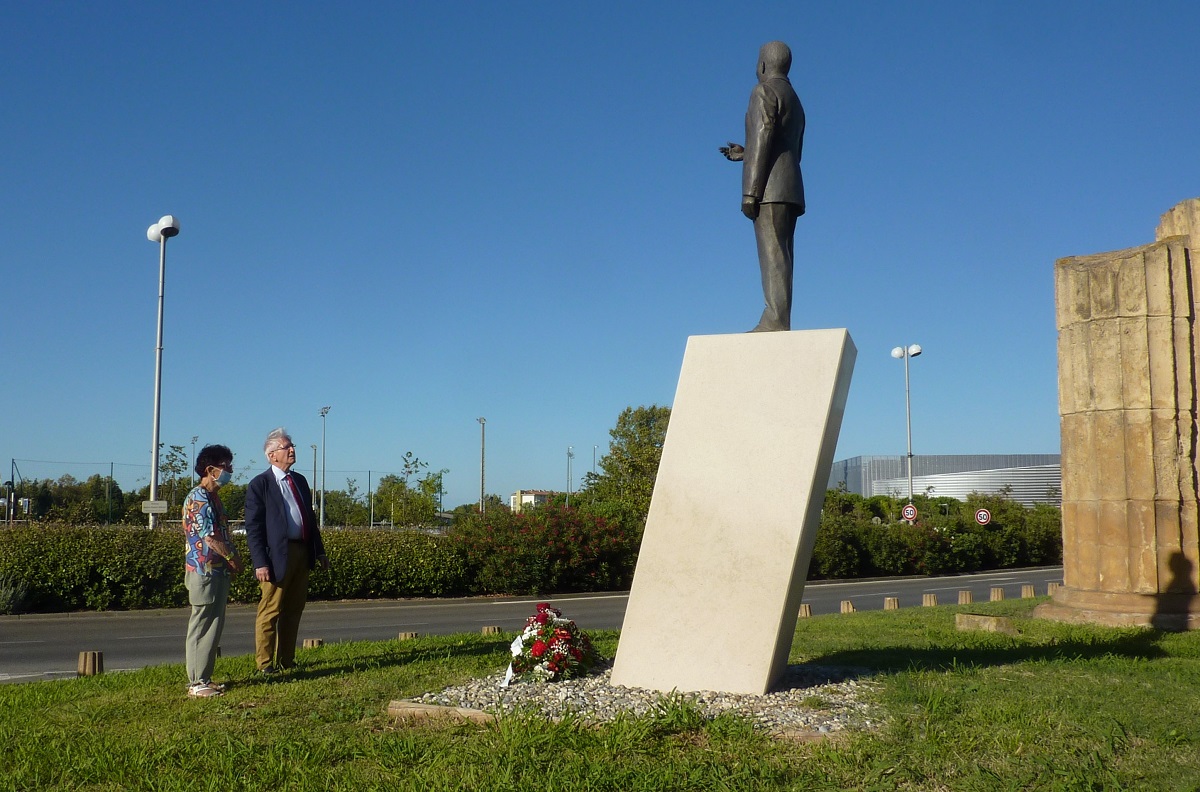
{"type": "Point", "coordinates": [166, 227]}
{"type": "Point", "coordinates": [314, 448]}
{"type": "Point", "coordinates": [194, 439]}
{"type": "Point", "coordinates": [482, 428]}
{"type": "Point", "coordinates": [570, 456]}
{"type": "Point", "coordinates": [911, 351]}
{"type": "Point", "coordinates": [324, 412]}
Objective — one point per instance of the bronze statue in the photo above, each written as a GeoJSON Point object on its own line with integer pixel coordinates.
{"type": "Point", "coordinates": [772, 187]}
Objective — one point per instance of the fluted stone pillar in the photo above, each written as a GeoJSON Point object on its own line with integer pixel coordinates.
{"type": "Point", "coordinates": [1127, 361]}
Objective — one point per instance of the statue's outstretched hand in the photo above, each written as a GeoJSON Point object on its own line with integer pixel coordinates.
{"type": "Point", "coordinates": [732, 151]}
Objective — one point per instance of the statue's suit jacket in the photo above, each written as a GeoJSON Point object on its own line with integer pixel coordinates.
{"type": "Point", "coordinates": [774, 140]}
{"type": "Point", "coordinates": [267, 524]}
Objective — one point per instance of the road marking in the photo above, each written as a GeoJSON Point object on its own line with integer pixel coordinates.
{"type": "Point", "coordinates": [566, 599]}
{"type": "Point", "coordinates": [6, 643]}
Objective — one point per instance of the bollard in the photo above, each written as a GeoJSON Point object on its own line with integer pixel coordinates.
{"type": "Point", "coordinates": [491, 629]}
{"type": "Point", "coordinates": [997, 594]}
{"type": "Point", "coordinates": [91, 663]}
{"type": "Point", "coordinates": [1052, 588]}
{"type": "Point", "coordinates": [805, 610]}
{"type": "Point", "coordinates": [313, 643]}
{"type": "Point", "coordinates": [965, 597]}
{"type": "Point", "coordinates": [406, 636]}
{"type": "Point", "coordinates": [891, 603]}
{"type": "Point", "coordinates": [1027, 591]}
{"type": "Point", "coordinates": [929, 600]}
{"type": "Point", "coordinates": [847, 606]}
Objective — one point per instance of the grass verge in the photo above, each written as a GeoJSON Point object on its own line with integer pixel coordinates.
{"type": "Point", "coordinates": [1057, 707]}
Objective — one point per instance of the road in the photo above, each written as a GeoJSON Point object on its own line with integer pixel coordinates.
{"type": "Point", "coordinates": [47, 646]}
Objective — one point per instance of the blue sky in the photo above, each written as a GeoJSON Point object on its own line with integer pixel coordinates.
{"type": "Point", "coordinates": [420, 214]}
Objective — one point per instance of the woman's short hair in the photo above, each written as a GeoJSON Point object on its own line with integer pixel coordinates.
{"type": "Point", "coordinates": [212, 456]}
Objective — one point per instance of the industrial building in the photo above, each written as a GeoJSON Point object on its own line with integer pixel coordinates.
{"type": "Point", "coordinates": [1027, 478]}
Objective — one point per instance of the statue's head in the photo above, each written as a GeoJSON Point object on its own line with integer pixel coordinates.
{"type": "Point", "coordinates": [774, 60]}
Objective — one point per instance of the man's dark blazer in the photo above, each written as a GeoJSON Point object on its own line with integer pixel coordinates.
{"type": "Point", "coordinates": [774, 142]}
{"type": "Point", "coordinates": [267, 524]}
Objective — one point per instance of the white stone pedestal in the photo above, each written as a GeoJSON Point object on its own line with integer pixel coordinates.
{"type": "Point", "coordinates": [735, 511]}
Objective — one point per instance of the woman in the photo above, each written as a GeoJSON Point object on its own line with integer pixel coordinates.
{"type": "Point", "coordinates": [211, 559]}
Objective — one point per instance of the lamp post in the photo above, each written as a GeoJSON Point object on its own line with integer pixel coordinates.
{"type": "Point", "coordinates": [594, 464]}
{"type": "Point", "coordinates": [910, 351]}
{"type": "Point", "coordinates": [482, 436]}
{"type": "Point", "coordinates": [166, 227]}
{"type": "Point", "coordinates": [324, 412]}
{"type": "Point", "coordinates": [314, 479]}
{"type": "Point", "coordinates": [194, 439]}
{"type": "Point", "coordinates": [570, 456]}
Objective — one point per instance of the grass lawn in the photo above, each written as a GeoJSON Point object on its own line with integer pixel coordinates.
{"type": "Point", "coordinates": [1057, 708]}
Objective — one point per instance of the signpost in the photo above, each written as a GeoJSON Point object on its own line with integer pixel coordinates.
{"type": "Point", "coordinates": [983, 516]}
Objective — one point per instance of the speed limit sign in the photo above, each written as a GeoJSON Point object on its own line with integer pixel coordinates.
{"type": "Point", "coordinates": [909, 512]}
{"type": "Point", "coordinates": [983, 516]}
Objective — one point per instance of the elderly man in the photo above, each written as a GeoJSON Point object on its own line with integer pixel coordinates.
{"type": "Point", "coordinates": [285, 545]}
{"type": "Point", "coordinates": [772, 188]}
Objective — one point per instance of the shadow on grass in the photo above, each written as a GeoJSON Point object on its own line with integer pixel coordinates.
{"type": "Point", "coordinates": [857, 663]}
{"type": "Point", "coordinates": [326, 663]}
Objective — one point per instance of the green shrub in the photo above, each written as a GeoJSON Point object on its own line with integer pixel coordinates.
{"type": "Point", "coordinates": [13, 595]}
{"type": "Point", "coordinates": [64, 568]}
{"type": "Point", "coordinates": [550, 549]}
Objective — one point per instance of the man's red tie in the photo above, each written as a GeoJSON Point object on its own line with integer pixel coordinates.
{"type": "Point", "coordinates": [306, 517]}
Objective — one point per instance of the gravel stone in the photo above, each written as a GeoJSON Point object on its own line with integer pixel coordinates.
{"type": "Point", "coordinates": [809, 700]}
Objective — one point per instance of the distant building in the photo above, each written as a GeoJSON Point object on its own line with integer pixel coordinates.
{"type": "Point", "coordinates": [522, 498]}
{"type": "Point", "coordinates": [1031, 478]}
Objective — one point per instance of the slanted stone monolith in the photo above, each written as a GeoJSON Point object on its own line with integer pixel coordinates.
{"type": "Point", "coordinates": [735, 511]}
{"type": "Point", "coordinates": [1127, 366]}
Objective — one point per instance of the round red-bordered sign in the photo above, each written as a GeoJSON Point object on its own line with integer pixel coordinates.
{"type": "Point", "coordinates": [983, 516]}
{"type": "Point", "coordinates": [909, 512]}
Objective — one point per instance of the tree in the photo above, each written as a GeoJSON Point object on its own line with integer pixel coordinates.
{"type": "Point", "coordinates": [622, 491]}
{"type": "Point", "coordinates": [174, 477]}
{"type": "Point", "coordinates": [402, 501]}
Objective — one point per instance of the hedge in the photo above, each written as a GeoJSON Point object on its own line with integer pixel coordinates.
{"type": "Point", "coordinates": [64, 568]}
{"type": "Point", "coordinates": [548, 550]}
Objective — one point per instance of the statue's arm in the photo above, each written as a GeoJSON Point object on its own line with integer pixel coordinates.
{"type": "Point", "coordinates": [732, 151]}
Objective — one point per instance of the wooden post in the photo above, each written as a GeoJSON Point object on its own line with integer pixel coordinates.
{"type": "Point", "coordinates": [965, 597]}
{"type": "Point", "coordinates": [491, 629]}
{"type": "Point", "coordinates": [91, 663]}
{"type": "Point", "coordinates": [406, 636]}
{"type": "Point", "coordinates": [313, 643]}
{"type": "Point", "coordinates": [1052, 587]}
{"type": "Point", "coordinates": [929, 600]}
{"type": "Point", "coordinates": [891, 603]}
{"type": "Point", "coordinates": [847, 606]}
{"type": "Point", "coordinates": [997, 593]}
{"type": "Point", "coordinates": [805, 610]}
{"type": "Point", "coordinates": [1027, 591]}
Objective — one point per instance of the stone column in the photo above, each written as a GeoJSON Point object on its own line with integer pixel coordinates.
{"type": "Point", "coordinates": [1127, 363]}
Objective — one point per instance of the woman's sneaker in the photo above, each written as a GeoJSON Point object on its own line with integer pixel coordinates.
{"type": "Point", "coordinates": [202, 690]}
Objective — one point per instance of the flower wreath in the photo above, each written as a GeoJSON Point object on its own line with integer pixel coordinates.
{"type": "Point", "coordinates": [550, 648]}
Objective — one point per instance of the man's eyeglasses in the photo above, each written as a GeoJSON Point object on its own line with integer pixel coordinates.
{"type": "Point", "coordinates": [286, 447]}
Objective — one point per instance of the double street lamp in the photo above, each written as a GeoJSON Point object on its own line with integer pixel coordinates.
{"type": "Point", "coordinates": [166, 227]}
{"type": "Point", "coordinates": [910, 351]}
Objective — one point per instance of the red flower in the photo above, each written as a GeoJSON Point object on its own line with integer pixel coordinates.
{"type": "Point", "coordinates": [538, 649]}
{"type": "Point", "coordinates": [542, 618]}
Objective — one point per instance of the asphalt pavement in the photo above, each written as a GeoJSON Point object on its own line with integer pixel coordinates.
{"type": "Point", "coordinates": [47, 646]}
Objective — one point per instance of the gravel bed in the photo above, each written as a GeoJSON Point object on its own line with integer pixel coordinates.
{"type": "Point", "coordinates": [809, 700]}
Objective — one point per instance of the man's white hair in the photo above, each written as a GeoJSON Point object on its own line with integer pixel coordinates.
{"type": "Point", "coordinates": [277, 437]}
